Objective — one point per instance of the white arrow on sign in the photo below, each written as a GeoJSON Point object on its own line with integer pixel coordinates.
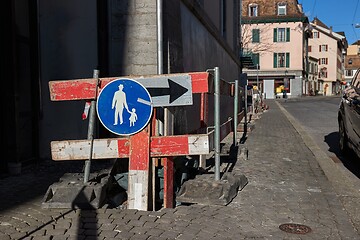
{"type": "Point", "coordinates": [169, 91]}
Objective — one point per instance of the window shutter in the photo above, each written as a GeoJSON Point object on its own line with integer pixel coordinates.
{"type": "Point", "coordinates": [326, 60]}
{"type": "Point", "coordinates": [275, 34]}
{"type": "Point", "coordinates": [287, 60]}
{"type": "Point", "coordinates": [309, 49]}
{"type": "Point", "coordinates": [326, 47]}
{"type": "Point", "coordinates": [275, 60]}
{"type": "Point", "coordinates": [319, 48]}
{"type": "Point", "coordinates": [255, 35]}
{"type": "Point", "coordinates": [288, 34]}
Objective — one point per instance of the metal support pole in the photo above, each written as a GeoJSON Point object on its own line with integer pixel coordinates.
{"type": "Point", "coordinates": [217, 122]}
{"type": "Point", "coordinates": [91, 127]}
{"type": "Point", "coordinates": [246, 106]}
{"type": "Point", "coordinates": [159, 20]}
{"type": "Point", "coordinates": [236, 101]}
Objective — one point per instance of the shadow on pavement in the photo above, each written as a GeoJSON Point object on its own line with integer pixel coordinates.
{"type": "Point", "coordinates": [350, 161]}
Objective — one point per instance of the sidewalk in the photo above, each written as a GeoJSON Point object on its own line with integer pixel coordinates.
{"type": "Point", "coordinates": [286, 185]}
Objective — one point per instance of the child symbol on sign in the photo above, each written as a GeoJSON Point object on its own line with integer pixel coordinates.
{"type": "Point", "coordinates": [133, 117]}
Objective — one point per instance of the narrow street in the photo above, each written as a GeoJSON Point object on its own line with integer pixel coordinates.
{"type": "Point", "coordinates": [318, 116]}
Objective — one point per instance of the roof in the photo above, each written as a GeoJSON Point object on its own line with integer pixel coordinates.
{"type": "Point", "coordinates": [355, 62]}
{"type": "Point", "coordinates": [328, 31]}
{"type": "Point", "coordinates": [267, 12]}
{"type": "Point", "coordinates": [317, 22]}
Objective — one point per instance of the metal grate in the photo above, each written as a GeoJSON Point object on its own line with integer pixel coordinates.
{"type": "Point", "coordinates": [295, 228]}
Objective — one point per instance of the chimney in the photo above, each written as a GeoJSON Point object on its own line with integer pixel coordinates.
{"type": "Point", "coordinates": [331, 30]}
{"type": "Point", "coordinates": [300, 8]}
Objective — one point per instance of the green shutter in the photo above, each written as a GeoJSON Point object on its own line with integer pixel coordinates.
{"type": "Point", "coordinates": [255, 35]}
{"type": "Point", "coordinates": [275, 34]}
{"type": "Point", "coordinates": [275, 60]}
{"type": "Point", "coordinates": [288, 34]}
{"type": "Point", "coordinates": [287, 60]}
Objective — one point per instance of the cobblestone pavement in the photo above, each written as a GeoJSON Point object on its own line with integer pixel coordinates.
{"type": "Point", "coordinates": [286, 185]}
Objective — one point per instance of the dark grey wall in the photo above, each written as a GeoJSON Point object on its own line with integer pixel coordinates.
{"type": "Point", "coordinates": [68, 43]}
{"type": "Point", "coordinates": [202, 51]}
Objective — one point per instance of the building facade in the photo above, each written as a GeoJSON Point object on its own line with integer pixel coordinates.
{"type": "Point", "coordinates": [313, 86]}
{"type": "Point", "coordinates": [330, 48]}
{"type": "Point", "coordinates": [352, 61]}
{"type": "Point", "coordinates": [274, 34]}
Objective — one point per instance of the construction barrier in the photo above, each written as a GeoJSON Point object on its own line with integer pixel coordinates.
{"type": "Point", "coordinates": [141, 146]}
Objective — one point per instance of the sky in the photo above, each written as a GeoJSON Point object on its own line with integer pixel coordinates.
{"type": "Point", "coordinates": [342, 15]}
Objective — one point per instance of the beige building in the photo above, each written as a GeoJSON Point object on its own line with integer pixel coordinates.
{"type": "Point", "coordinates": [330, 48]}
{"type": "Point", "coordinates": [274, 35]}
{"type": "Point", "coordinates": [352, 60]}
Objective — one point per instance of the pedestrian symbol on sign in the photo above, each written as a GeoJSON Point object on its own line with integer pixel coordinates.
{"type": "Point", "coordinates": [120, 95]}
{"type": "Point", "coordinates": [119, 102]}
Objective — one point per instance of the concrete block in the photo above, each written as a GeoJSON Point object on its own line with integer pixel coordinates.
{"type": "Point", "coordinates": [205, 190]}
{"type": "Point", "coordinates": [72, 192]}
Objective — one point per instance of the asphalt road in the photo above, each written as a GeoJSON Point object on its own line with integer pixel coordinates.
{"type": "Point", "coordinates": [318, 116]}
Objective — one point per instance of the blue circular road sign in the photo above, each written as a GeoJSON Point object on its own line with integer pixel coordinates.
{"type": "Point", "coordinates": [124, 107]}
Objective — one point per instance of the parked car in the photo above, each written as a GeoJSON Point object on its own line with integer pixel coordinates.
{"type": "Point", "coordinates": [349, 117]}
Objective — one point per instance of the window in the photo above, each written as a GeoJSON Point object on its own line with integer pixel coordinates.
{"type": "Point", "coordinates": [281, 9]}
{"type": "Point", "coordinates": [323, 72]}
{"type": "Point", "coordinates": [323, 48]}
{"type": "Point", "coordinates": [281, 60]}
{"type": "Point", "coordinates": [348, 73]}
{"type": "Point", "coordinates": [256, 35]}
{"type": "Point", "coordinates": [309, 48]}
{"type": "Point", "coordinates": [253, 10]}
{"type": "Point", "coordinates": [311, 68]}
{"type": "Point", "coordinates": [316, 34]}
{"type": "Point", "coordinates": [323, 61]}
{"type": "Point", "coordinates": [281, 34]}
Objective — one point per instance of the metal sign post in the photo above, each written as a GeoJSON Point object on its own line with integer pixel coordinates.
{"type": "Point", "coordinates": [91, 126]}
{"type": "Point", "coordinates": [236, 100]}
{"type": "Point", "coordinates": [217, 122]}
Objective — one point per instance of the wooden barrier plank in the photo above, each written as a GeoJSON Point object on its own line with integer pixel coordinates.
{"type": "Point", "coordinates": [80, 149]}
{"type": "Point", "coordinates": [138, 184]}
{"type": "Point", "coordinates": [119, 148]}
{"type": "Point", "coordinates": [161, 146]}
{"type": "Point", "coordinates": [84, 89]}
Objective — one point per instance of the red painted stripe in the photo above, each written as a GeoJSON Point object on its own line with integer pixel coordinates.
{"type": "Point", "coordinates": [169, 146]}
{"type": "Point", "coordinates": [140, 150]}
{"type": "Point", "coordinates": [123, 147]}
{"type": "Point", "coordinates": [200, 82]}
{"type": "Point", "coordinates": [72, 90]}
